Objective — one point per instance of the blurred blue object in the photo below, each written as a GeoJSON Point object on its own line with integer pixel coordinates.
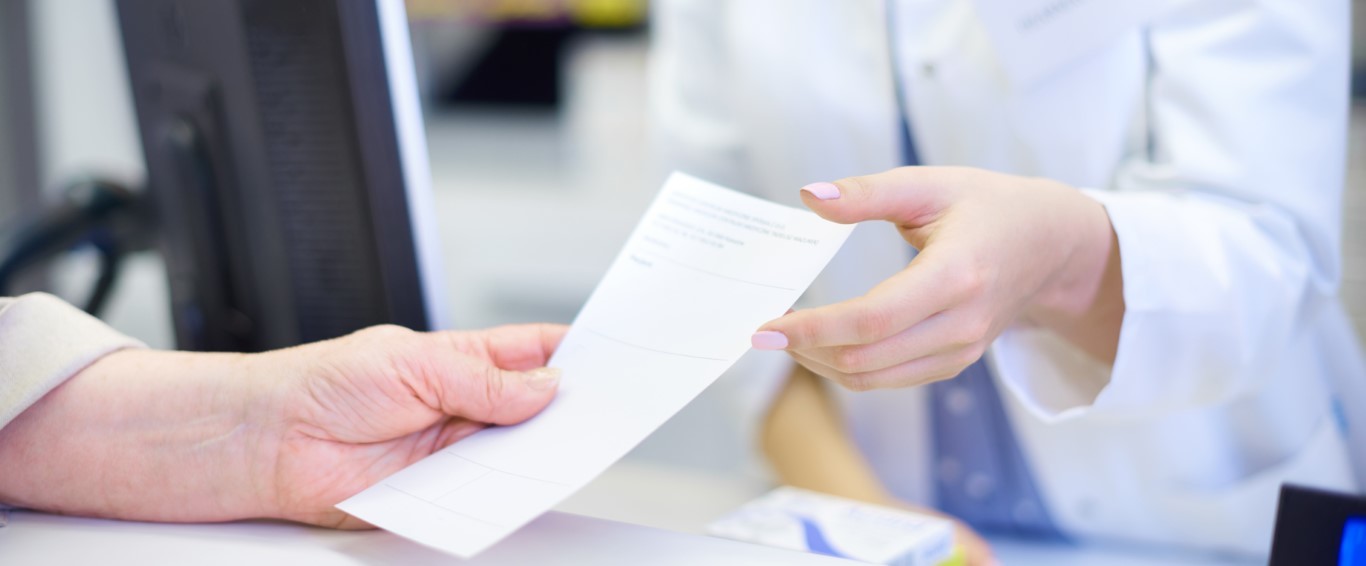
{"type": "Point", "coordinates": [1353, 549]}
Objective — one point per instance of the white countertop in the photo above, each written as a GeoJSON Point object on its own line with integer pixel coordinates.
{"type": "Point", "coordinates": [662, 512]}
{"type": "Point", "coordinates": [555, 538]}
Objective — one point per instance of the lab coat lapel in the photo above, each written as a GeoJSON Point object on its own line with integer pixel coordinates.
{"type": "Point", "coordinates": [1036, 37]}
{"type": "Point", "coordinates": [826, 63]}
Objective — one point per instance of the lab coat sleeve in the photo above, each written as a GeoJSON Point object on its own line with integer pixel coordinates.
{"type": "Point", "coordinates": [43, 342]}
{"type": "Point", "coordinates": [1228, 224]}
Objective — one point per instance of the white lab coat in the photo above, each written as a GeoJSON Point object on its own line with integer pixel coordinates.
{"type": "Point", "coordinates": [1214, 133]}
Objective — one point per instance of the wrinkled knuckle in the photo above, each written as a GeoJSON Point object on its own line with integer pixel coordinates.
{"type": "Point", "coordinates": [848, 359]}
{"type": "Point", "coordinates": [801, 335]}
{"type": "Point", "coordinates": [968, 356]}
{"type": "Point", "coordinates": [494, 389]}
{"type": "Point", "coordinates": [968, 279]}
{"type": "Point", "coordinates": [973, 332]}
{"type": "Point", "coordinates": [856, 187]}
{"type": "Point", "coordinates": [873, 324]}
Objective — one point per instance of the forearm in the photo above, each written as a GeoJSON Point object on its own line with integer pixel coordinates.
{"type": "Point", "coordinates": [138, 435]}
{"type": "Point", "coordinates": [806, 444]}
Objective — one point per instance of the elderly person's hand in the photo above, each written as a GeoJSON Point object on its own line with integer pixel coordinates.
{"type": "Point", "coordinates": [994, 249]}
{"type": "Point", "coordinates": [170, 436]}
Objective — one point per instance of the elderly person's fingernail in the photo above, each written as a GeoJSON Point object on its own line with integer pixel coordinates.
{"type": "Point", "coordinates": [768, 340]}
{"type": "Point", "coordinates": [543, 378]}
{"type": "Point", "coordinates": [823, 191]}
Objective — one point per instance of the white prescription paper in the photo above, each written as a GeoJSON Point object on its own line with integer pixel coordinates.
{"type": "Point", "coordinates": [703, 269]}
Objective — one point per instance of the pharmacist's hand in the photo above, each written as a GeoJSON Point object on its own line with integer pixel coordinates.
{"type": "Point", "coordinates": [976, 551]}
{"type": "Point", "coordinates": [974, 548]}
{"type": "Point", "coordinates": [351, 411]}
{"type": "Point", "coordinates": [993, 248]}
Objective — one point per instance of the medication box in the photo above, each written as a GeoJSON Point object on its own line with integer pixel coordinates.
{"type": "Point", "coordinates": [798, 519]}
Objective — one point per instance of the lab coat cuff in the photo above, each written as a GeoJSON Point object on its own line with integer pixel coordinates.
{"type": "Point", "coordinates": [43, 342]}
{"type": "Point", "coordinates": [1053, 378]}
{"type": "Point", "coordinates": [1164, 240]}
{"type": "Point", "coordinates": [1050, 377]}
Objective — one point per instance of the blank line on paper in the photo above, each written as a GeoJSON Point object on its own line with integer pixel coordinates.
{"type": "Point", "coordinates": [523, 476]}
{"type": "Point", "coordinates": [443, 509]}
{"type": "Point", "coordinates": [655, 350]}
{"type": "Point", "coordinates": [658, 255]}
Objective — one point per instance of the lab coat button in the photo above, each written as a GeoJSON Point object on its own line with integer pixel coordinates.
{"type": "Point", "coordinates": [949, 469]}
{"type": "Point", "coordinates": [959, 401]}
{"type": "Point", "coordinates": [1025, 511]}
{"type": "Point", "coordinates": [979, 486]}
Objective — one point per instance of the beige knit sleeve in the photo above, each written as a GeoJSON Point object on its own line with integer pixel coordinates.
{"type": "Point", "coordinates": [43, 342]}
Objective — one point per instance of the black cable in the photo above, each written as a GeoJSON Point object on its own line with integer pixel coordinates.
{"type": "Point", "coordinates": [106, 215]}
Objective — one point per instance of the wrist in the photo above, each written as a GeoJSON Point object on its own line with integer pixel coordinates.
{"type": "Point", "coordinates": [263, 382]}
{"type": "Point", "coordinates": [1084, 299]}
{"type": "Point", "coordinates": [252, 446]}
{"type": "Point", "coordinates": [1076, 283]}
{"type": "Point", "coordinates": [190, 435]}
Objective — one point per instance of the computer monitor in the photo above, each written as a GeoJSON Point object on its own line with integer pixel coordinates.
{"type": "Point", "coordinates": [1314, 526]}
{"type": "Point", "coordinates": [286, 158]}
{"type": "Point", "coordinates": [19, 185]}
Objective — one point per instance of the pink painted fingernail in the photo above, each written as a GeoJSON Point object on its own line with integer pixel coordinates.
{"type": "Point", "coordinates": [823, 191]}
{"type": "Point", "coordinates": [768, 340]}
